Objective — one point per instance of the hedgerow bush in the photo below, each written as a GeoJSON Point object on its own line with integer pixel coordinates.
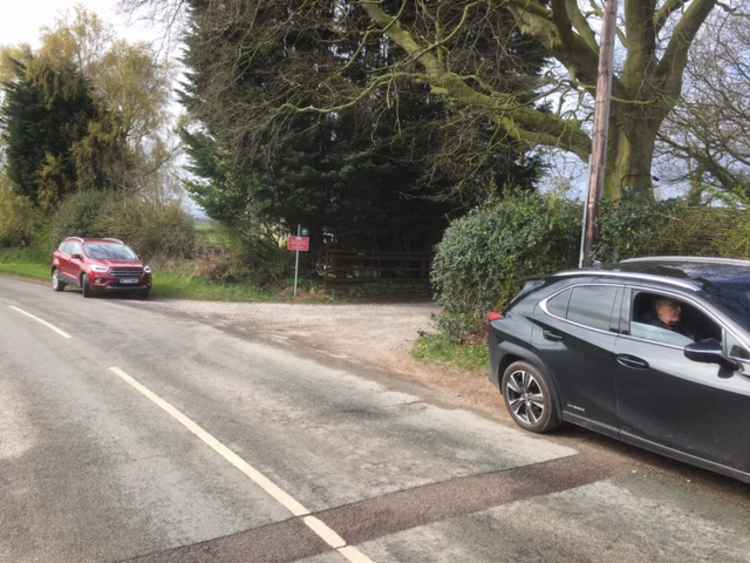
{"type": "Point", "coordinates": [484, 256]}
{"type": "Point", "coordinates": [658, 228]}
{"type": "Point", "coordinates": [151, 228]}
{"type": "Point", "coordinates": [254, 256]}
{"type": "Point", "coordinates": [736, 243]}
{"type": "Point", "coordinates": [18, 219]}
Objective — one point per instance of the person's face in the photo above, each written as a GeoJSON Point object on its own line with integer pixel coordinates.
{"type": "Point", "coordinates": [669, 314]}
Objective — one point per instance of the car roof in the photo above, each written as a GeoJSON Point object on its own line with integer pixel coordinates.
{"type": "Point", "coordinates": [106, 240]}
{"type": "Point", "coordinates": [687, 272]}
{"type": "Point", "coordinates": [698, 269]}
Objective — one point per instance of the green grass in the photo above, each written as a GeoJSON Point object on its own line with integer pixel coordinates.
{"type": "Point", "coordinates": [24, 263]}
{"type": "Point", "coordinates": [439, 349]}
{"type": "Point", "coordinates": [169, 285]}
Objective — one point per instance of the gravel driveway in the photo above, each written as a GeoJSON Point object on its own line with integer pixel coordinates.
{"type": "Point", "coordinates": [381, 335]}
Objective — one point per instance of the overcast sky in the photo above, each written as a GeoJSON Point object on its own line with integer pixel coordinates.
{"type": "Point", "coordinates": [22, 20]}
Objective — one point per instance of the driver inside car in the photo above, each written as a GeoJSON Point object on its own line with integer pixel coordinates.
{"type": "Point", "coordinates": [667, 315]}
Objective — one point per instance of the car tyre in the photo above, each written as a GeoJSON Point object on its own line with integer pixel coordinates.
{"type": "Point", "coordinates": [86, 287]}
{"type": "Point", "coordinates": [530, 397]}
{"type": "Point", "coordinates": [57, 285]}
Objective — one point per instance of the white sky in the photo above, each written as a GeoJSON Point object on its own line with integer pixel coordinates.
{"type": "Point", "coordinates": [22, 20]}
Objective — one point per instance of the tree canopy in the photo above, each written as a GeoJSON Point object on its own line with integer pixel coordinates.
{"type": "Point", "coordinates": [388, 171]}
{"type": "Point", "coordinates": [458, 50]}
{"type": "Point", "coordinates": [84, 111]}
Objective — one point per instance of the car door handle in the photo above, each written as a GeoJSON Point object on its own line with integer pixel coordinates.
{"type": "Point", "coordinates": [632, 362]}
{"type": "Point", "coordinates": [550, 335]}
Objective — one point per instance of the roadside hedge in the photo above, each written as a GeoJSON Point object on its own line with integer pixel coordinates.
{"type": "Point", "coordinates": [153, 229]}
{"type": "Point", "coordinates": [18, 219]}
{"type": "Point", "coordinates": [485, 256]}
{"type": "Point", "coordinates": [671, 227]}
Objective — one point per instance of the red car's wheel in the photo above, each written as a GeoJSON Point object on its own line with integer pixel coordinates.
{"type": "Point", "coordinates": [86, 287]}
{"type": "Point", "coordinates": [57, 285]}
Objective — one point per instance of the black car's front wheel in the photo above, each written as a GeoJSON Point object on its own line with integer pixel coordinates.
{"type": "Point", "coordinates": [530, 398]}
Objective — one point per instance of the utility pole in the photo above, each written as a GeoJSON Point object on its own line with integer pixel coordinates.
{"type": "Point", "coordinates": [598, 167]}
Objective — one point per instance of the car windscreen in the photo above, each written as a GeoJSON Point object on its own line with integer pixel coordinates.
{"type": "Point", "coordinates": [105, 251]}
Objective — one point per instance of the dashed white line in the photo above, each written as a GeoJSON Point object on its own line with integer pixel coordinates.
{"type": "Point", "coordinates": [320, 528]}
{"type": "Point", "coordinates": [41, 321]}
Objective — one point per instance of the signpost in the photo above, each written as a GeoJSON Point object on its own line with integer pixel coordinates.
{"type": "Point", "coordinates": [297, 244]}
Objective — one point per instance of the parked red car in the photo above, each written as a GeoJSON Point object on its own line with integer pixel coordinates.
{"type": "Point", "coordinates": [99, 266]}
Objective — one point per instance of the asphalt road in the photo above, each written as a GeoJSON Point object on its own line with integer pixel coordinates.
{"type": "Point", "coordinates": [128, 434]}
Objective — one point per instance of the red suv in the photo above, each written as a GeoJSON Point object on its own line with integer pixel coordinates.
{"type": "Point", "coordinates": [99, 266]}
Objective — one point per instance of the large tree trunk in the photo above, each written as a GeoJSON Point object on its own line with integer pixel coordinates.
{"type": "Point", "coordinates": [629, 158]}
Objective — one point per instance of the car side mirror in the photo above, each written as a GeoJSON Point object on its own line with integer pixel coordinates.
{"type": "Point", "coordinates": [77, 257]}
{"type": "Point", "coordinates": [706, 351]}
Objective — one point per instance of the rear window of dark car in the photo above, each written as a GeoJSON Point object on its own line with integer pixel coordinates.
{"type": "Point", "coordinates": [528, 288]}
{"type": "Point", "coordinates": [558, 305]}
{"type": "Point", "coordinates": [591, 305]}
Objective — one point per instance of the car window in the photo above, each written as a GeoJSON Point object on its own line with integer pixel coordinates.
{"type": "Point", "coordinates": [74, 248]}
{"type": "Point", "coordinates": [736, 349]}
{"type": "Point", "coordinates": [558, 305]}
{"type": "Point", "coordinates": [591, 305]}
{"type": "Point", "coordinates": [109, 251]}
{"type": "Point", "coordinates": [669, 320]}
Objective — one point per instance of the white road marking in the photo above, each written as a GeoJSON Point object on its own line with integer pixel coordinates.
{"type": "Point", "coordinates": [354, 555]}
{"type": "Point", "coordinates": [321, 529]}
{"type": "Point", "coordinates": [324, 532]}
{"type": "Point", "coordinates": [41, 321]}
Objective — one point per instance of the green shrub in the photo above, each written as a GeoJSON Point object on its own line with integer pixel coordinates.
{"type": "Point", "coordinates": [736, 243]}
{"type": "Point", "coordinates": [484, 256]}
{"type": "Point", "coordinates": [151, 228]}
{"type": "Point", "coordinates": [671, 227]}
{"type": "Point", "coordinates": [78, 215]}
{"type": "Point", "coordinates": [253, 257]}
{"type": "Point", "coordinates": [18, 219]}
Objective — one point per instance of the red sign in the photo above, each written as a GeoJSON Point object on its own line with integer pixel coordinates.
{"type": "Point", "coordinates": [301, 244]}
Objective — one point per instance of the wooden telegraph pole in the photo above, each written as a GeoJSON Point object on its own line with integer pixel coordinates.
{"type": "Point", "coordinates": [598, 166]}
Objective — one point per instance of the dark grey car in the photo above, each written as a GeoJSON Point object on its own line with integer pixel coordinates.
{"type": "Point", "coordinates": [586, 347]}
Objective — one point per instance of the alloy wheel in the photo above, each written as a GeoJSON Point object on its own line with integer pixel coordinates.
{"type": "Point", "coordinates": [525, 397]}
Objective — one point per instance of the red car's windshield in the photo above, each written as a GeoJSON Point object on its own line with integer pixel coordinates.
{"type": "Point", "coordinates": [105, 251]}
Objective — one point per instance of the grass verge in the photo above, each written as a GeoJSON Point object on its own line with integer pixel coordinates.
{"type": "Point", "coordinates": [167, 285]}
{"type": "Point", "coordinates": [23, 263]}
{"type": "Point", "coordinates": [439, 349]}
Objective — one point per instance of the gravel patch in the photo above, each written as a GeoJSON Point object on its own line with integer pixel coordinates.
{"type": "Point", "coordinates": [376, 334]}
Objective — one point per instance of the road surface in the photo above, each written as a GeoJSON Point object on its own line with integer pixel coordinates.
{"type": "Point", "coordinates": [129, 434]}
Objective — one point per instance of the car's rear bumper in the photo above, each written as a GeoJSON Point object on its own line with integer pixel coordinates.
{"type": "Point", "coordinates": [495, 356]}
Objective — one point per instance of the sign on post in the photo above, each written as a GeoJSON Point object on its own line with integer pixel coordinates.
{"type": "Point", "coordinates": [299, 244]}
